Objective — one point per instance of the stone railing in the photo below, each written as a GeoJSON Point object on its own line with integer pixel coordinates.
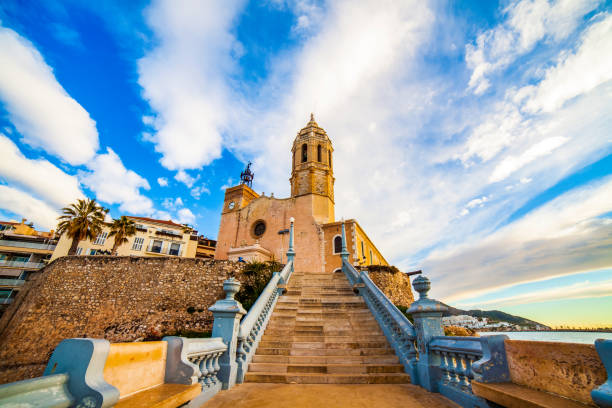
{"type": "Point", "coordinates": [48, 391]}
{"type": "Point", "coordinates": [254, 323]}
{"type": "Point", "coordinates": [456, 366]}
{"type": "Point", "coordinates": [196, 360]}
{"type": "Point", "coordinates": [395, 325]}
{"type": "Point", "coordinates": [93, 373]}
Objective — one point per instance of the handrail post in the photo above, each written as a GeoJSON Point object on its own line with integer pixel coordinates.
{"type": "Point", "coordinates": [427, 315]}
{"type": "Point", "coordinates": [602, 395]}
{"type": "Point", "coordinates": [344, 254]}
{"type": "Point", "coordinates": [291, 251]}
{"type": "Point", "coordinates": [227, 314]}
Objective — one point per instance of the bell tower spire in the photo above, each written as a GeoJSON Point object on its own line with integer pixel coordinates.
{"type": "Point", "coordinates": [311, 169]}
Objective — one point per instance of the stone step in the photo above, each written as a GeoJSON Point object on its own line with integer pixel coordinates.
{"type": "Point", "coordinates": [352, 333]}
{"type": "Point", "coordinates": [326, 368]}
{"type": "Point", "coordinates": [375, 359]}
{"type": "Point", "coordinates": [324, 338]}
{"type": "Point", "coordinates": [308, 378]}
{"type": "Point", "coordinates": [294, 345]}
{"type": "Point", "coordinates": [323, 351]}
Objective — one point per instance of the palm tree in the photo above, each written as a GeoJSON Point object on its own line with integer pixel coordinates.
{"type": "Point", "coordinates": [81, 220]}
{"type": "Point", "coordinates": [122, 228]}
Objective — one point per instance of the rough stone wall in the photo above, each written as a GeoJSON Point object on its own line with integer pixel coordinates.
{"type": "Point", "coordinates": [567, 369]}
{"type": "Point", "coordinates": [395, 285]}
{"type": "Point", "coordinates": [116, 298]}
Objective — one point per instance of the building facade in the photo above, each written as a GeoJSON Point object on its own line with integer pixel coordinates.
{"type": "Point", "coordinates": [254, 225]}
{"type": "Point", "coordinates": [22, 250]}
{"type": "Point", "coordinates": [153, 238]}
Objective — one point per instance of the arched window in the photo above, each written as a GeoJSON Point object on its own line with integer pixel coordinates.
{"type": "Point", "coordinates": [293, 162]}
{"type": "Point", "coordinates": [319, 153]}
{"type": "Point", "coordinates": [337, 245]}
{"type": "Point", "coordinates": [329, 157]}
{"type": "Point", "coordinates": [304, 153]}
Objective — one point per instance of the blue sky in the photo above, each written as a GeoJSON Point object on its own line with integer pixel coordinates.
{"type": "Point", "coordinates": [472, 140]}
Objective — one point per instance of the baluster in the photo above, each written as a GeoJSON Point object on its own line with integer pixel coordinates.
{"type": "Point", "coordinates": [241, 352]}
{"type": "Point", "coordinates": [444, 367]}
{"type": "Point", "coordinates": [452, 369]}
{"type": "Point", "coordinates": [463, 380]}
{"type": "Point", "coordinates": [210, 367]}
{"type": "Point", "coordinates": [469, 374]}
{"type": "Point", "coordinates": [203, 370]}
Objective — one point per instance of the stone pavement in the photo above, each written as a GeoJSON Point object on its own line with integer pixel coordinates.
{"type": "Point", "coordinates": [252, 395]}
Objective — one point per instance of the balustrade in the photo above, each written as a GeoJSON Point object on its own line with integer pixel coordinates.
{"type": "Point", "coordinates": [456, 356]}
{"type": "Point", "coordinates": [256, 320]}
{"type": "Point", "coordinates": [394, 324]}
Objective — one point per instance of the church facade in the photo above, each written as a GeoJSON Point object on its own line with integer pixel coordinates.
{"type": "Point", "coordinates": [255, 227]}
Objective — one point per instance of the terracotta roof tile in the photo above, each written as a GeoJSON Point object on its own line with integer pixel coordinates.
{"type": "Point", "coordinates": [169, 222]}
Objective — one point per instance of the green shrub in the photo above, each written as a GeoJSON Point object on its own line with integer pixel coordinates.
{"type": "Point", "coordinates": [256, 277]}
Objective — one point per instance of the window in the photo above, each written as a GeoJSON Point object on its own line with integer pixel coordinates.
{"type": "Point", "coordinates": [92, 251]}
{"type": "Point", "coordinates": [362, 250]}
{"type": "Point", "coordinates": [157, 246]}
{"type": "Point", "coordinates": [259, 228]}
{"type": "Point", "coordinates": [101, 238]}
{"type": "Point", "coordinates": [337, 244]}
{"type": "Point", "coordinates": [137, 246]}
{"type": "Point", "coordinates": [329, 158]}
{"type": "Point", "coordinates": [174, 249]}
{"type": "Point", "coordinates": [79, 251]}
{"type": "Point", "coordinates": [319, 153]}
{"type": "Point", "coordinates": [371, 257]}
{"type": "Point", "coordinates": [304, 153]}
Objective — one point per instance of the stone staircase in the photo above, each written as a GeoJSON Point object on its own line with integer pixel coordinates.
{"type": "Point", "coordinates": [322, 333]}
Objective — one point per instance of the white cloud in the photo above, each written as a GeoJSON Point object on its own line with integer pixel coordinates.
{"type": "Point", "coordinates": [185, 178]}
{"type": "Point", "coordinates": [564, 236]}
{"type": "Point", "coordinates": [162, 181]}
{"type": "Point", "coordinates": [189, 96]}
{"type": "Point", "coordinates": [512, 163]}
{"type": "Point", "coordinates": [39, 177]}
{"type": "Point", "coordinates": [594, 56]}
{"type": "Point", "coordinates": [172, 204]}
{"type": "Point", "coordinates": [185, 216]}
{"type": "Point", "coordinates": [196, 192]}
{"type": "Point", "coordinates": [26, 206]}
{"type": "Point", "coordinates": [528, 22]}
{"type": "Point", "coordinates": [114, 184]}
{"type": "Point", "coordinates": [41, 110]}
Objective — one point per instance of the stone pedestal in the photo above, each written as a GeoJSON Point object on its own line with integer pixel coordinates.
{"type": "Point", "coordinates": [227, 313]}
{"type": "Point", "coordinates": [427, 315]}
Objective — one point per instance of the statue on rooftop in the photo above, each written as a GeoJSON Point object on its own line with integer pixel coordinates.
{"type": "Point", "coordinates": [246, 177]}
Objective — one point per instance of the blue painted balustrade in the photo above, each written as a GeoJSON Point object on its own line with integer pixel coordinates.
{"type": "Point", "coordinates": [602, 395]}
{"type": "Point", "coordinates": [74, 375]}
{"type": "Point", "coordinates": [395, 325]}
{"type": "Point", "coordinates": [463, 359]}
{"type": "Point", "coordinates": [254, 323]}
{"type": "Point", "coordinates": [195, 360]}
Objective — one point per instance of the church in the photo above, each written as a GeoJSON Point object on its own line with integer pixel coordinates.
{"type": "Point", "coordinates": [255, 227]}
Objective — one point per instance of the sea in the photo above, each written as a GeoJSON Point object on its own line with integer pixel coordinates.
{"type": "Point", "coordinates": [558, 336]}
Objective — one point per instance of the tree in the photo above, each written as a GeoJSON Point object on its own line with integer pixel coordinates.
{"type": "Point", "coordinates": [81, 220]}
{"type": "Point", "coordinates": [121, 228]}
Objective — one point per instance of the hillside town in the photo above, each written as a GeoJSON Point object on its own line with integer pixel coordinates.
{"type": "Point", "coordinates": [484, 324]}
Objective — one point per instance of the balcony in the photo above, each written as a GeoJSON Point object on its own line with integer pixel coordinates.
{"type": "Point", "coordinates": [11, 282]}
{"type": "Point", "coordinates": [21, 264]}
{"type": "Point", "coordinates": [24, 244]}
{"type": "Point", "coordinates": [169, 234]}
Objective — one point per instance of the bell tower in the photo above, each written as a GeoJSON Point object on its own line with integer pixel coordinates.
{"type": "Point", "coordinates": [312, 171]}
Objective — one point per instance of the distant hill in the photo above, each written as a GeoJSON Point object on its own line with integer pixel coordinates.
{"type": "Point", "coordinates": [495, 315]}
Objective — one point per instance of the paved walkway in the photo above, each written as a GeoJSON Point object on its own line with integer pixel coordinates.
{"type": "Point", "coordinates": [253, 395]}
